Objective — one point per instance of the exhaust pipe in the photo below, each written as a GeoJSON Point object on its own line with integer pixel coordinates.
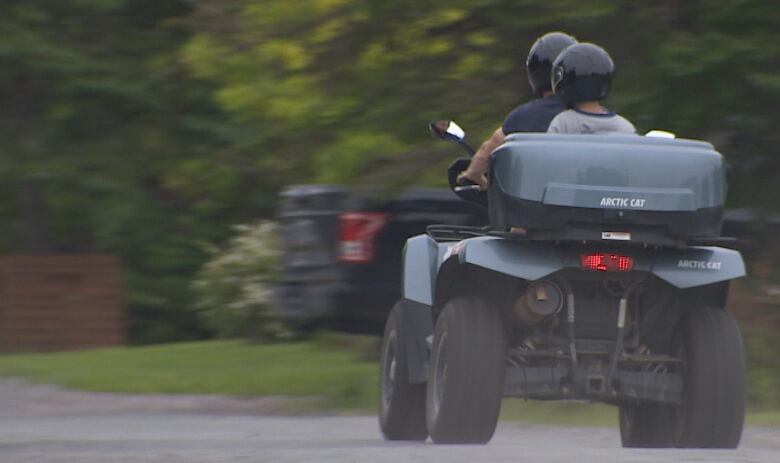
{"type": "Point", "coordinates": [540, 300]}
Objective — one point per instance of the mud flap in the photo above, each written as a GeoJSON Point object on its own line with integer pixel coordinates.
{"type": "Point", "coordinates": [422, 256]}
{"type": "Point", "coordinates": [417, 322]}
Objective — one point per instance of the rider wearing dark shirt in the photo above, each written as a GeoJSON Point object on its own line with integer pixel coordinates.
{"type": "Point", "coordinates": [533, 116]}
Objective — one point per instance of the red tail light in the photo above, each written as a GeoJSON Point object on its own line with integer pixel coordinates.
{"type": "Point", "coordinates": [357, 235]}
{"type": "Point", "coordinates": [606, 262]}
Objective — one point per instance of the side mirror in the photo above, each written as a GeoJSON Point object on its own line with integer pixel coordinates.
{"type": "Point", "coordinates": [447, 130]}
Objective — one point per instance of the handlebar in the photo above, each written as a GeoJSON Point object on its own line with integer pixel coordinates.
{"type": "Point", "coordinates": [458, 189]}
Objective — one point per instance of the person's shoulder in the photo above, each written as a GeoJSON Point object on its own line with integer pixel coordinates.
{"type": "Point", "coordinates": [559, 122]}
{"type": "Point", "coordinates": [525, 108]}
{"type": "Point", "coordinates": [566, 115]}
{"type": "Point", "coordinates": [625, 124]}
{"type": "Point", "coordinates": [533, 116]}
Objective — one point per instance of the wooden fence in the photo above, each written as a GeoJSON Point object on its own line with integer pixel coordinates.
{"type": "Point", "coordinates": [58, 302]}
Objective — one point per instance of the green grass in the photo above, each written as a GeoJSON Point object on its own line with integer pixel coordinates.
{"type": "Point", "coordinates": [338, 373]}
{"type": "Point", "coordinates": [764, 418]}
{"type": "Point", "coordinates": [339, 370]}
{"type": "Point", "coordinates": [594, 414]}
{"type": "Point", "coordinates": [559, 413]}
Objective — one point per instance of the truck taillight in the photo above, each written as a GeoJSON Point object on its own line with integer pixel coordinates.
{"type": "Point", "coordinates": [357, 235]}
{"type": "Point", "coordinates": [606, 262]}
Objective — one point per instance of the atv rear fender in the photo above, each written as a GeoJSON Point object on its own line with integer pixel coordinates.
{"type": "Point", "coordinates": [530, 261]}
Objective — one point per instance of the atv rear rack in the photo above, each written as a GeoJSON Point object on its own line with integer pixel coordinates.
{"type": "Point", "coordinates": [443, 233]}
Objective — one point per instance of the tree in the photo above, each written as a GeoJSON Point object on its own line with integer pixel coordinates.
{"type": "Point", "coordinates": [147, 128]}
{"type": "Point", "coordinates": [107, 145]}
{"type": "Point", "coordinates": [350, 81]}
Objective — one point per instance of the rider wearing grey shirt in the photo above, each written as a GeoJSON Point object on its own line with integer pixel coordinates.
{"type": "Point", "coordinates": [578, 121]}
{"type": "Point", "coordinates": [581, 78]}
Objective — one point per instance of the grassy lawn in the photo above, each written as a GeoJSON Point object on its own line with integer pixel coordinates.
{"type": "Point", "coordinates": [340, 371]}
{"type": "Point", "coordinates": [557, 413]}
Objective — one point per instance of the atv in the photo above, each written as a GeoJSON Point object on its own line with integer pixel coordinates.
{"type": "Point", "coordinates": [602, 277]}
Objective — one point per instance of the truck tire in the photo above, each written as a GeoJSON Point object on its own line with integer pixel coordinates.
{"type": "Point", "coordinates": [713, 410]}
{"type": "Point", "coordinates": [466, 381]}
{"type": "Point", "coordinates": [401, 403]}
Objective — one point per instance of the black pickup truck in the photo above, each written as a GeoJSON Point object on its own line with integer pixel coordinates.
{"type": "Point", "coordinates": [341, 251]}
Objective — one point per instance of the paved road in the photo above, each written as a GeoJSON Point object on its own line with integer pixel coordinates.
{"type": "Point", "coordinates": [45, 426]}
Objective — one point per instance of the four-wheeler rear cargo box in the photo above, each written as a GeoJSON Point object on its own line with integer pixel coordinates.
{"type": "Point", "coordinates": [652, 186]}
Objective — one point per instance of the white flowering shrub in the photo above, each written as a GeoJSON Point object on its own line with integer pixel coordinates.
{"type": "Point", "coordinates": [234, 288]}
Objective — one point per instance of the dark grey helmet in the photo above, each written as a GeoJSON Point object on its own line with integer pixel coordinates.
{"type": "Point", "coordinates": [582, 72]}
{"type": "Point", "coordinates": [541, 57]}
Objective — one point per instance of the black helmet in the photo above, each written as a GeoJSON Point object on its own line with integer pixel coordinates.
{"type": "Point", "coordinates": [582, 72]}
{"type": "Point", "coordinates": [541, 56]}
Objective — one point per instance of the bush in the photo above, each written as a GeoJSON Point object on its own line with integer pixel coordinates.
{"type": "Point", "coordinates": [233, 288]}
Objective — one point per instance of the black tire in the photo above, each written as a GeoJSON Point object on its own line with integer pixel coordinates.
{"type": "Point", "coordinates": [401, 403]}
{"type": "Point", "coordinates": [648, 425]}
{"type": "Point", "coordinates": [713, 412]}
{"type": "Point", "coordinates": [713, 409]}
{"type": "Point", "coordinates": [466, 381]}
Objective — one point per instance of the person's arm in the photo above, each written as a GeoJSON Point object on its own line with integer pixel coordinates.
{"type": "Point", "coordinates": [477, 170]}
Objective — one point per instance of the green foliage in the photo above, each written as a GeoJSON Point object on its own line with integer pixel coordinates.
{"type": "Point", "coordinates": [100, 121]}
{"type": "Point", "coordinates": [320, 83]}
{"type": "Point", "coordinates": [145, 128]}
{"type": "Point", "coordinates": [233, 288]}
